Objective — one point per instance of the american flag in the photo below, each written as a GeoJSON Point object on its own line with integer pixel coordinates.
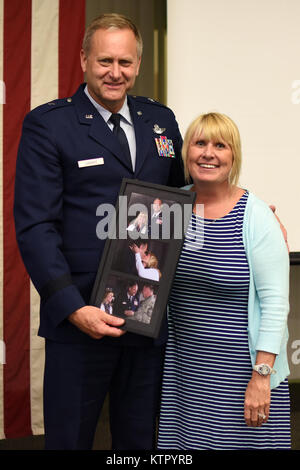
{"type": "Point", "coordinates": [39, 61]}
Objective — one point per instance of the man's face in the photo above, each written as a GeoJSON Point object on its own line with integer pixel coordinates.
{"type": "Point", "coordinates": [111, 66]}
{"type": "Point", "coordinates": [143, 248]}
{"type": "Point", "coordinates": [147, 292]}
{"type": "Point", "coordinates": [132, 290]}
{"type": "Point", "coordinates": [156, 205]}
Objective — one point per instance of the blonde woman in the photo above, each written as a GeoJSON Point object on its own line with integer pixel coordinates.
{"type": "Point", "coordinates": [225, 379]}
{"type": "Point", "coordinates": [107, 302]}
{"type": "Point", "coordinates": [139, 224]}
{"type": "Point", "coordinates": [146, 263]}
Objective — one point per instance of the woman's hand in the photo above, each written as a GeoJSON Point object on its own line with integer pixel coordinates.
{"type": "Point", "coordinates": [257, 400]}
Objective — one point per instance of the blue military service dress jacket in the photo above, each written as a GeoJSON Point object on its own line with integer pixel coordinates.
{"type": "Point", "coordinates": [56, 196]}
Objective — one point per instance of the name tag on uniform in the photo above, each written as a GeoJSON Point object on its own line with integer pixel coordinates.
{"type": "Point", "coordinates": [91, 162]}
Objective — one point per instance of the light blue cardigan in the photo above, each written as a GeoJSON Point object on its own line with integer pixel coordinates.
{"type": "Point", "coordinates": [268, 303]}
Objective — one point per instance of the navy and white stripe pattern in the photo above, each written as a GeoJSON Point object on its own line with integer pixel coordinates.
{"type": "Point", "coordinates": [208, 364]}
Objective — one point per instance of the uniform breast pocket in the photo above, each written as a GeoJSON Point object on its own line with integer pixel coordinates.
{"type": "Point", "coordinates": [85, 173]}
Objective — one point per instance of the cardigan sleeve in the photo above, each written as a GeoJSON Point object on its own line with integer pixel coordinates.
{"type": "Point", "coordinates": [269, 269]}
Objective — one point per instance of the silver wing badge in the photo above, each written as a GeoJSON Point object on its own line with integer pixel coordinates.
{"type": "Point", "coordinates": [158, 130]}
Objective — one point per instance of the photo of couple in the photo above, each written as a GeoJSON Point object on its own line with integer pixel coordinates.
{"type": "Point", "coordinates": [151, 219]}
{"type": "Point", "coordinates": [142, 258]}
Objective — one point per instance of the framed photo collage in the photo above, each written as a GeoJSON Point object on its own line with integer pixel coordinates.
{"type": "Point", "coordinates": [140, 256]}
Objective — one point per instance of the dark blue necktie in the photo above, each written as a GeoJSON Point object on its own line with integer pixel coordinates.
{"type": "Point", "coordinates": [121, 136]}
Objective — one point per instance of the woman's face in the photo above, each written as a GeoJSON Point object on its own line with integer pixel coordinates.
{"type": "Point", "coordinates": [141, 219]}
{"type": "Point", "coordinates": [209, 161]}
{"type": "Point", "coordinates": [145, 258]}
{"type": "Point", "coordinates": [109, 297]}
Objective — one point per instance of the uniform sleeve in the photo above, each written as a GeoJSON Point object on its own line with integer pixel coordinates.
{"type": "Point", "coordinates": [270, 265]}
{"type": "Point", "coordinates": [176, 177]}
{"type": "Point", "coordinates": [38, 211]}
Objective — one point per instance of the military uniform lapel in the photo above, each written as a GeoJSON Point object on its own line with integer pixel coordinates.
{"type": "Point", "coordinates": [99, 130]}
{"type": "Point", "coordinates": [143, 134]}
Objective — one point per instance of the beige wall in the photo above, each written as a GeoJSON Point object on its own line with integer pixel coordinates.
{"type": "Point", "coordinates": [242, 58]}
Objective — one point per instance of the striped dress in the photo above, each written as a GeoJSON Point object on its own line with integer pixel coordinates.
{"type": "Point", "coordinates": [208, 366]}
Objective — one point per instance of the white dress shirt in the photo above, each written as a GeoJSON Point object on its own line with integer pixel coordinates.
{"type": "Point", "coordinates": [125, 122]}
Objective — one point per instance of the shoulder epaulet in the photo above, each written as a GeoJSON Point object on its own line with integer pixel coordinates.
{"type": "Point", "coordinates": [54, 104]}
{"type": "Point", "coordinates": [145, 100]}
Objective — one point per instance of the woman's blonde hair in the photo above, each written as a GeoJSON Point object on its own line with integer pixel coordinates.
{"type": "Point", "coordinates": [215, 127]}
{"type": "Point", "coordinates": [142, 215]}
{"type": "Point", "coordinates": [153, 262]}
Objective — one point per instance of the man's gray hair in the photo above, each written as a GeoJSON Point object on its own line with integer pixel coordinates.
{"type": "Point", "coordinates": [111, 21]}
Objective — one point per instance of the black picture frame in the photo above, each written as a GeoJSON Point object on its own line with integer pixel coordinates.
{"type": "Point", "coordinates": [155, 250]}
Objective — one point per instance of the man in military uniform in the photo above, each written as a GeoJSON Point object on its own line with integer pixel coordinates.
{"type": "Point", "coordinates": [145, 309]}
{"type": "Point", "coordinates": [127, 302]}
{"type": "Point", "coordinates": [155, 221]}
{"type": "Point", "coordinates": [72, 157]}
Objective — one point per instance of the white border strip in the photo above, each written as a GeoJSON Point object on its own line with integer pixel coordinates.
{"type": "Point", "coordinates": [2, 346]}
{"type": "Point", "coordinates": [44, 51]}
{"type": "Point", "coordinates": [44, 87]}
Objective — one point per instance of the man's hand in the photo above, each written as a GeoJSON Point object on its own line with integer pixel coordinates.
{"type": "Point", "coordinates": [133, 247]}
{"type": "Point", "coordinates": [283, 229]}
{"type": "Point", "coordinates": [96, 323]}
